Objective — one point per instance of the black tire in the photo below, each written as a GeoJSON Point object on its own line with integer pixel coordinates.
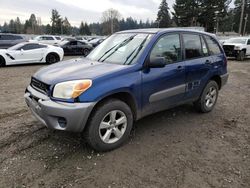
{"type": "Point", "coordinates": [85, 52]}
{"type": "Point", "coordinates": [202, 104]}
{"type": "Point", "coordinates": [52, 58]}
{"type": "Point", "coordinates": [2, 62]}
{"type": "Point", "coordinates": [241, 56]}
{"type": "Point", "coordinates": [94, 134]}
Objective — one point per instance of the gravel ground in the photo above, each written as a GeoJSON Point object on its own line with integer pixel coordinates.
{"type": "Point", "coordinates": [174, 148]}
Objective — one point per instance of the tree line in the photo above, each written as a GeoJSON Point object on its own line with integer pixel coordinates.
{"type": "Point", "coordinates": [213, 15]}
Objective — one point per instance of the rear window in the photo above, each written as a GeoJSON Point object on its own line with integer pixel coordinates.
{"type": "Point", "coordinates": [213, 46]}
{"type": "Point", "coordinates": [192, 45]}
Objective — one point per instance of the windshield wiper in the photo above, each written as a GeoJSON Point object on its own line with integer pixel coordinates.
{"type": "Point", "coordinates": [137, 52]}
{"type": "Point", "coordinates": [123, 43]}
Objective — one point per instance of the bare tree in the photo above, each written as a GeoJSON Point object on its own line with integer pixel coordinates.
{"type": "Point", "coordinates": [110, 21]}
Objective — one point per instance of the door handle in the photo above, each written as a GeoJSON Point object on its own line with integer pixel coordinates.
{"type": "Point", "coordinates": [208, 62]}
{"type": "Point", "coordinates": [180, 68]}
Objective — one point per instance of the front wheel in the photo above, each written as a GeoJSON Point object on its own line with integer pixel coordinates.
{"type": "Point", "coordinates": [241, 56]}
{"type": "Point", "coordinates": [2, 62]}
{"type": "Point", "coordinates": [208, 98]}
{"type": "Point", "coordinates": [109, 126]}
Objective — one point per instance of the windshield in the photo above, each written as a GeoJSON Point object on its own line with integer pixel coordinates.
{"type": "Point", "coordinates": [121, 49]}
{"type": "Point", "coordinates": [16, 47]}
{"type": "Point", "coordinates": [237, 41]}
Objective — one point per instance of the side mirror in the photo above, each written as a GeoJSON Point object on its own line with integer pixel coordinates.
{"type": "Point", "coordinates": [157, 62]}
{"type": "Point", "coordinates": [22, 50]}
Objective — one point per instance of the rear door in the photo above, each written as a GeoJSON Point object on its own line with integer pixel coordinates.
{"type": "Point", "coordinates": [198, 63]}
{"type": "Point", "coordinates": [164, 87]}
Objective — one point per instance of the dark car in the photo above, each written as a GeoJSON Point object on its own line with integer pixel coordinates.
{"type": "Point", "coordinates": [96, 42]}
{"type": "Point", "coordinates": [75, 47]}
{"type": "Point", "coordinates": [130, 75]}
{"type": "Point", "coordinates": [8, 40]}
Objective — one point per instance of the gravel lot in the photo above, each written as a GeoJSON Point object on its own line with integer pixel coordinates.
{"type": "Point", "coordinates": [174, 148]}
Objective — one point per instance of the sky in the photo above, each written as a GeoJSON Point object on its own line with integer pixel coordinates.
{"type": "Point", "coordinates": [78, 10]}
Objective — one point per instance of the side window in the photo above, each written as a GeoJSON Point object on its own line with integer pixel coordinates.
{"type": "Point", "coordinates": [168, 47]}
{"type": "Point", "coordinates": [192, 46]}
{"type": "Point", "coordinates": [248, 42]}
{"type": "Point", "coordinates": [30, 47]}
{"type": "Point", "coordinates": [213, 46]}
{"type": "Point", "coordinates": [49, 38]}
{"type": "Point", "coordinates": [73, 43]}
{"type": "Point", "coordinates": [204, 47]}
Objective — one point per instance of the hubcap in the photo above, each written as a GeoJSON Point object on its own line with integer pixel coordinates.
{"type": "Point", "coordinates": [211, 97]}
{"type": "Point", "coordinates": [113, 126]}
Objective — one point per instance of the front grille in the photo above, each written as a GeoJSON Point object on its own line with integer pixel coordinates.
{"type": "Point", "coordinates": [39, 86]}
{"type": "Point", "coordinates": [228, 48]}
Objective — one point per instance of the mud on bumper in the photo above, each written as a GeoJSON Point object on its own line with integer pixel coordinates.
{"type": "Point", "coordinates": [58, 115]}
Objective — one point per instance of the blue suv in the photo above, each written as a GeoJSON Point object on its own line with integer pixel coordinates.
{"type": "Point", "coordinates": [130, 75]}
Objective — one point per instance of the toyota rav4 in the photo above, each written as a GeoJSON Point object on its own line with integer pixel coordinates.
{"type": "Point", "coordinates": [130, 75]}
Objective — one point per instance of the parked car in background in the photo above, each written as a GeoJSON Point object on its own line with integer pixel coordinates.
{"type": "Point", "coordinates": [237, 47]}
{"type": "Point", "coordinates": [68, 38]}
{"type": "Point", "coordinates": [47, 39]}
{"type": "Point", "coordinates": [96, 42]}
{"type": "Point", "coordinates": [130, 75]}
{"type": "Point", "coordinates": [8, 40]}
{"type": "Point", "coordinates": [75, 47]}
{"type": "Point", "coordinates": [25, 53]}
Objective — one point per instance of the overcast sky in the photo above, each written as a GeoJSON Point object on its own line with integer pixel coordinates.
{"type": "Point", "coordinates": [78, 10]}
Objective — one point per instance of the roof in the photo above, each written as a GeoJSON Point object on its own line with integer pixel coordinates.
{"type": "Point", "coordinates": [162, 30]}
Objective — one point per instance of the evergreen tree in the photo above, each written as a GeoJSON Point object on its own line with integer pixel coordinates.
{"type": "Point", "coordinates": [163, 16]}
{"type": "Point", "coordinates": [82, 28]}
{"type": "Point", "coordinates": [18, 25]}
{"type": "Point", "coordinates": [56, 22]}
{"type": "Point", "coordinates": [87, 30]}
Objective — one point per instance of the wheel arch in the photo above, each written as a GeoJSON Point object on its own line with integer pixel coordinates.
{"type": "Point", "coordinates": [52, 53]}
{"type": "Point", "coordinates": [126, 97]}
{"type": "Point", "coordinates": [217, 79]}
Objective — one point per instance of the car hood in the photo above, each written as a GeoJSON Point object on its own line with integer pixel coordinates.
{"type": "Point", "coordinates": [75, 69]}
{"type": "Point", "coordinates": [231, 44]}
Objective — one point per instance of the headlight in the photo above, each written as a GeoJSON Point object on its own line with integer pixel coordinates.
{"type": "Point", "coordinates": [237, 47]}
{"type": "Point", "coordinates": [71, 89]}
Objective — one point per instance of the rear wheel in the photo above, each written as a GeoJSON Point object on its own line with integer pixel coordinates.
{"type": "Point", "coordinates": [241, 56]}
{"type": "Point", "coordinates": [208, 98]}
{"type": "Point", "coordinates": [85, 52]}
{"type": "Point", "coordinates": [109, 126]}
{"type": "Point", "coordinates": [2, 62]}
{"type": "Point", "coordinates": [52, 58]}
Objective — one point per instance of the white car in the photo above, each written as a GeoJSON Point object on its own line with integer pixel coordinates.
{"type": "Point", "coordinates": [237, 47]}
{"type": "Point", "coordinates": [47, 39]}
{"type": "Point", "coordinates": [25, 53]}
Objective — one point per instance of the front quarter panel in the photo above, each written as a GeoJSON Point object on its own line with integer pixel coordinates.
{"type": "Point", "coordinates": [128, 81]}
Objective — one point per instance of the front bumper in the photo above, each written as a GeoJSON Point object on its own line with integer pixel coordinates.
{"type": "Point", "coordinates": [224, 79]}
{"type": "Point", "coordinates": [232, 53]}
{"type": "Point", "coordinates": [58, 115]}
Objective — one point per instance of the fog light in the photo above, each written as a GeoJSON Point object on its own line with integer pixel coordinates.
{"type": "Point", "coordinates": [62, 122]}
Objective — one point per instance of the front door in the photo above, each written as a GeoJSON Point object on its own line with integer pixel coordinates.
{"type": "Point", "coordinates": [164, 87]}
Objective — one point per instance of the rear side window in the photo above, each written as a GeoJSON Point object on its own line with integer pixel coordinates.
{"type": "Point", "coordinates": [16, 37]}
{"type": "Point", "coordinates": [192, 46]}
{"type": "Point", "coordinates": [168, 47]}
{"type": "Point", "coordinates": [58, 38]}
{"type": "Point", "coordinates": [7, 37]}
{"type": "Point", "coordinates": [213, 46]}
